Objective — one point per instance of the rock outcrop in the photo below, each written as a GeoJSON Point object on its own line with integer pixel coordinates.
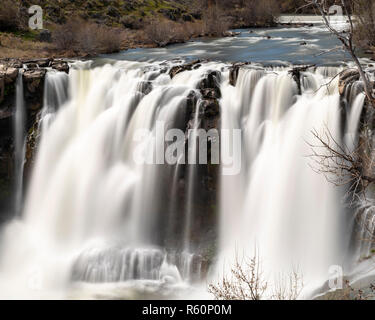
{"type": "Point", "coordinates": [196, 64]}
{"type": "Point", "coordinates": [234, 71]}
{"type": "Point", "coordinates": [347, 77]}
{"type": "Point", "coordinates": [296, 75]}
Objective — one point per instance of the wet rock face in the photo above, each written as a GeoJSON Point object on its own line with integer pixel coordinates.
{"type": "Point", "coordinates": [38, 63]}
{"type": "Point", "coordinates": [196, 64]}
{"type": "Point", "coordinates": [296, 74]}
{"type": "Point", "coordinates": [211, 93]}
{"type": "Point", "coordinates": [33, 79]}
{"type": "Point", "coordinates": [234, 71]}
{"type": "Point", "coordinates": [145, 87]}
{"type": "Point", "coordinates": [347, 77]}
{"type": "Point", "coordinates": [61, 66]}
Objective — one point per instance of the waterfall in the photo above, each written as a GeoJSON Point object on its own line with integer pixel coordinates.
{"type": "Point", "coordinates": [55, 95]}
{"type": "Point", "coordinates": [192, 177]}
{"type": "Point", "coordinates": [356, 106]}
{"type": "Point", "coordinates": [104, 210]}
{"type": "Point", "coordinates": [278, 206]}
{"type": "Point", "coordinates": [19, 143]}
{"type": "Point", "coordinates": [100, 211]}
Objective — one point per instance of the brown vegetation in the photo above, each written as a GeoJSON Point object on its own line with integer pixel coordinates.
{"type": "Point", "coordinates": [18, 47]}
{"type": "Point", "coordinates": [104, 29]}
{"type": "Point", "coordinates": [10, 15]}
{"type": "Point", "coordinates": [343, 166]}
{"type": "Point", "coordinates": [165, 32]}
{"type": "Point", "coordinates": [89, 38]}
{"type": "Point", "coordinates": [346, 37]}
{"type": "Point", "coordinates": [215, 23]}
{"type": "Point", "coordinates": [365, 24]}
{"type": "Point", "coordinates": [250, 13]}
{"type": "Point", "coordinates": [260, 13]}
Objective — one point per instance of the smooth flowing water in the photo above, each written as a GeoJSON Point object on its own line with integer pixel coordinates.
{"type": "Point", "coordinates": [271, 46]}
{"type": "Point", "coordinates": [285, 211]}
{"type": "Point", "coordinates": [19, 125]}
{"type": "Point", "coordinates": [105, 217]}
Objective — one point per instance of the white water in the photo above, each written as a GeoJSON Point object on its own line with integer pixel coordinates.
{"type": "Point", "coordinates": [192, 176]}
{"type": "Point", "coordinates": [19, 143]}
{"type": "Point", "coordinates": [279, 207]}
{"type": "Point", "coordinates": [95, 218]}
{"type": "Point", "coordinates": [90, 206]}
{"type": "Point", "coordinates": [356, 102]}
{"type": "Point", "coordinates": [55, 95]}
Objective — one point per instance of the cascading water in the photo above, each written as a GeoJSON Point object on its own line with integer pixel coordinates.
{"type": "Point", "coordinates": [278, 207]}
{"type": "Point", "coordinates": [55, 95]}
{"type": "Point", "coordinates": [99, 210]}
{"type": "Point", "coordinates": [19, 143]}
{"type": "Point", "coordinates": [96, 214]}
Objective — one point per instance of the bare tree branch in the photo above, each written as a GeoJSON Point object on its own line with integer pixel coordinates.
{"type": "Point", "coordinates": [346, 38]}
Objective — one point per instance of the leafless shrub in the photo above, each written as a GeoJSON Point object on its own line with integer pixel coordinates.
{"type": "Point", "coordinates": [346, 37]}
{"type": "Point", "coordinates": [94, 38]}
{"type": "Point", "coordinates": [163, 32]}
{"type": "Point", "coordinates": [86, 37]}
{"type": "Point", "coordinates": [65, 36]}
{"type": "Point", "coordinates": [195, 29]}
{"type": "Point", "coordinates": [247, 282]}
{"type": "Point", "coordinates": [340, 164]}
{"type": "Point", "coordinates": [364, 31]}
{"type": "Point", "coordinates": [10, 15]}
{"type": "Point", "coordinates": [288, 287]}
{"type": "Point", "coordinates": [215, 23]}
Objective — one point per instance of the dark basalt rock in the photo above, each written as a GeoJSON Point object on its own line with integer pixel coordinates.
{"type": "Point", "coordinates": [38, 63]}
{"type": "Point", "coordinates": [31, 65]}
{"type": "Point", "coordinates": [296, 75]}
{"type": "Point", "coordinates": [33, 79]}
{"type": "Point", "coordinates": [185, 67]}
{"type": "Point", "coordinates": [347, 77]}
{"type": "Point", "coordinates": [145, 87]}
{"type": "Point", "coordinates": [60, 65]}
{"type": "Point", "coordinates": [212, 81]}
{"type": "Point", "coordinates": [211, 93]}
{"type": "Point", "coordinates": [234, 71]}
{"type": "Point", "coordinates": [8, 74]}
{"type": "Point", "coordinates": [191, 103]}
{"type": "Point", "coordinates": [205, 101]}
{"type": "Point", "coordinates": [211, 107]}
{"type": "Point", "coordinates": [12, 63]}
